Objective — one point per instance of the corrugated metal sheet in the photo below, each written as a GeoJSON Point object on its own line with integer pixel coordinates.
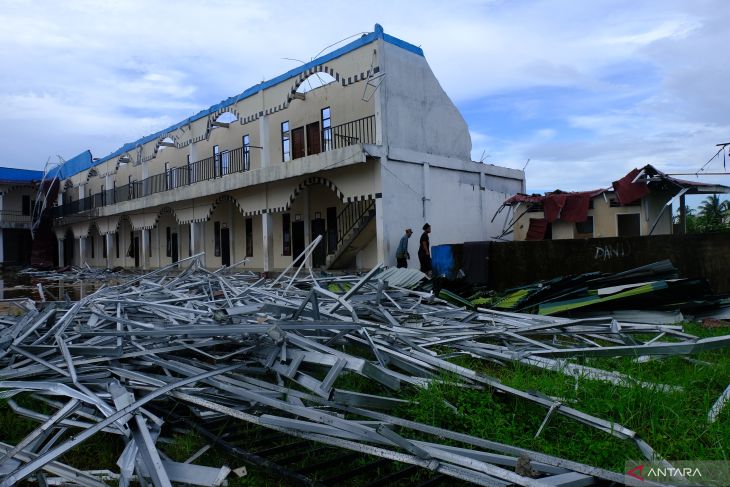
{"type": "Point", "coordinates": [402, 277]}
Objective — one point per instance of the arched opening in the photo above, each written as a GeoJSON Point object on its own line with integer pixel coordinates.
{"type": "Point", "coordinates": [166, 142]}
{"type": "Point", "coordinates": [315, 81]}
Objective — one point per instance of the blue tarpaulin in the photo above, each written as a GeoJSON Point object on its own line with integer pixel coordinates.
{"type": "Point", "coordinates": [11, 174]}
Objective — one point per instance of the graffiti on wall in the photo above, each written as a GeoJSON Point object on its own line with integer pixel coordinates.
{"type": "Point", "coordinates": [612, 251]}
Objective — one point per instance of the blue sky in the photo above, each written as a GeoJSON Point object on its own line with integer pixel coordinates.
{"type": "Point", "coordinates": [584, 90]}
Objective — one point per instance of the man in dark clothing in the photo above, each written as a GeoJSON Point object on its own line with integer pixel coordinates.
{"type": "Point", "coordinates": [401, 253]}
{"type": "Point", "coordinates": [424, 250]}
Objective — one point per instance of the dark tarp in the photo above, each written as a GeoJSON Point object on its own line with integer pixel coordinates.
{"type": "Point", "coordinates": [475, 262]}
{"type": "Point", "coordinates": [627, 191]}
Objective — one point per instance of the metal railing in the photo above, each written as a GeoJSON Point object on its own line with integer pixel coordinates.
{"type": "Point", "coordinates": [360, 131]}
{"type": "Point", "coordinates": [8, 216]}
{"type": "Point", "coordinates": [352, 215]}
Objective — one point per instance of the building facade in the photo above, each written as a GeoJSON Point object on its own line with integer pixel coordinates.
{"type": "Point", "coordinates": [355, 146]}
{"type": "Point", "coordinates": [18, 193]}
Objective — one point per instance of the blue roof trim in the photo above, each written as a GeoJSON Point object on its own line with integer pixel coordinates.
{"type": "Point", "coordinates": [378, 33]}
{"type": "Point", "coordinates": [75, 165]}
{"type": "Point", "coordinates": [12, 174]}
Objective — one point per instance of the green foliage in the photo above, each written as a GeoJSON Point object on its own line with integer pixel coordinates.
{"type": "Point", "coordinates": [713, 215]}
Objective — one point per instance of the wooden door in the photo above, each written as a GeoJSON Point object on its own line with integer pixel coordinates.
{"type": "Point", "coordinates": [297, 138]}
{"type": "Point", "coordinates": [225, 247]}
{"type": "Point", "coordinates": [297, 238]}
{"type": "Point", "coordinates": [174, 254]}
{"type": "Point", "coordinates": [313, 139]}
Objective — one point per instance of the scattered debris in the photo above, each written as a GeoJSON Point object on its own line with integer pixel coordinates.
{"type": "Point", "coordinates": [128, 357]}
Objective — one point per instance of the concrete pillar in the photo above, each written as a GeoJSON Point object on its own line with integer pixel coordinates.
{"type": "Point", "coordinates": [381, 242]}
{"type": "Point", "coordinates": [159, 248]}
{"type": "Point", "coordinates": [266, 152]}
{"type": "Point", "coordinates": [61, 263]}
{"type": "Point", "coordinates": [232, 212]}
{"type": "Point", "coordinates": [197, 238]}
{"type": "Point", "coordinates": [82, 251]}
{"type": "Point", "coordinates": [267, 230]}
{"type": "Point", "coordinates": [306, 215]}
{"type": "Point", "coordinates": [145, 246]}
{"type": "Point", "coordinates": [426, 192]}
{"type": "Point", "coordinates": [109, 244]}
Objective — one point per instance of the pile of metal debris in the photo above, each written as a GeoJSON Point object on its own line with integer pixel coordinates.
{"type": "Point", "coordinates": [128, 358]}
{"type": "Point", "coordinates": [655, 289]}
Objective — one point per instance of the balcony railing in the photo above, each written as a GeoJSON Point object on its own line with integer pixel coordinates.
{"type": "Point", "coordinates": [14, 217]}
{"type": "Point", "coordinates": [360, 131]}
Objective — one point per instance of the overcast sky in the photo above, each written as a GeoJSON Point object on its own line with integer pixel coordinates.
{"type": "Point", "coordinates": [586, 90]}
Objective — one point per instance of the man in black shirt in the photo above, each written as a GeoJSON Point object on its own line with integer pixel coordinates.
{"type": "Point", "coordinates": [424, 250]}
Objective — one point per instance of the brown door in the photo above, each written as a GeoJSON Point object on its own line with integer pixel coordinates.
{"type": "Point", "coordinates": [297, 138]}
{"type": "Point", "coordinates": [313, 138]}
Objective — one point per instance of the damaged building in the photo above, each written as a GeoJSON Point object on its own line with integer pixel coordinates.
{"type": "Point", "coordinates": [355, 146]}
{"type": "Point", "coordinates": [639, 204]}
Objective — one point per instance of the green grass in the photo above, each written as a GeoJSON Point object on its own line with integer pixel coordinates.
{"type": "Point", "coordinates": [674, 424]}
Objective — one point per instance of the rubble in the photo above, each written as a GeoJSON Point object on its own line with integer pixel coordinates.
{"type": "Point", "coordinates": [269, 352]}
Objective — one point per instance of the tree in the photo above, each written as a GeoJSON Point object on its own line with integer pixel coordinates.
{"type": "Point", "coordinates": [713, 216]}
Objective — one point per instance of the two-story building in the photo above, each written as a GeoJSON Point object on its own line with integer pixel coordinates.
{"type": "Point", "coordinates": [639, 204]}
{"type": "Point", "coordinates": [356, 146]}
{"type": "Point", "coordinates": [18, 193]}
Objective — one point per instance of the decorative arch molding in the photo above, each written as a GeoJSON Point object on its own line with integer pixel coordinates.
{"type": "Point", "coordinates": [161, 142]}
{"type": "Point", "coordinates": [314, 181]}
{"type": "Point", "coordinates": [91, 174]}
{"type": "Point", "coordinates": [322, 68]}
{"type": "Point", "coordinates": [80, 229]}
{"type": "Point", "coordinates": [122, 219]}
{"type": "Point", "coordinates": [68, 185]}
{"type": "Point", "coordinates": [92, 227]}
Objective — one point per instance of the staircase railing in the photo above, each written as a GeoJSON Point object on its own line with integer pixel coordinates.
{"type": "Point", "coordinates": [352, 215]}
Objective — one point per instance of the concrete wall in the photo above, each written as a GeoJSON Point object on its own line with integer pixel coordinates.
{"type": "Point", "coordinates": [517, 263]}
{"type": "Point", "coordinates": [417, 113]}
{"type": "Point", "coordinates": [455, 197]}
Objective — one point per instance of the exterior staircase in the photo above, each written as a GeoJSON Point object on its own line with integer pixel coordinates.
{"type": "Point", "coordinates": [355, 230]}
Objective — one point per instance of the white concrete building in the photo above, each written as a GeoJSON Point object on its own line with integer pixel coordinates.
{"type": "Point", "coordinates": [356, 145]}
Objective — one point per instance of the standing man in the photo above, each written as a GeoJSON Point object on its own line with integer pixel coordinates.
{"type": "Point", "coordinates": [424, 251]}
{"type": "Point", "coordinates": [401, 254]}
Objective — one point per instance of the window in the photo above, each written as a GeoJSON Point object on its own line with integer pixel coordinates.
{"type": "Point", "coordinates": [285, 144]}
{"type": "Point", "coordinates": [103, 247]}
{"type": "Point", "coordinates": [102, 193]}
{"type": "Point", "coordinates": [629, 225]}
{"type": "Point", "coordinates": [92, 246]}
{"type": "Point", "coordinates": [130, 193]}
{"type": "Point", "coordinates": [584, 229]}
{"type": "Point", "coordinates": [149, 242]}
{"type": "Point", "coordinates": [116, 243]}
{"type": "Point", "coordinates": [217, 238]}
{"type": "Point", "coordinates": [326, 130]}
{"type": "Point", "coordinates": [217, 160]}
{"type": "Point", "coordinates": [246, 152]}
{"type": "Point", "coordinates": [225, 162]}
{"type": "Point", "coordinates": [249, 237]}
{"type": "Point", "coordinates": [286, 234]}
{"type": "Point", "coordinates": [168, 242]}
{"type": "Point", "coordinates": [114, 191]}
{"type": "Point", "coordinates": [26, 205]}
{"type": "Point", "coordinates": [168, 178]}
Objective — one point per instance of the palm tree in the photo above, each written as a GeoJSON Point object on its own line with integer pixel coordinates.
{"type": "Point", "coordinates": [712, 211]}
